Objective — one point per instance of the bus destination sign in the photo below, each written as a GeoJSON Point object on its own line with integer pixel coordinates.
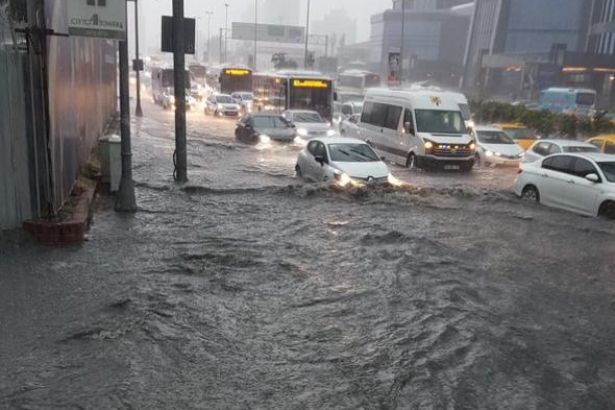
{"type": "Point", "coordinates": [310, 84]}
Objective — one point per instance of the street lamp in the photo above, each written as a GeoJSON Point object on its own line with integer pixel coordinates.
{"type": "Point", "coordinates": [401, 48]}
{"type": "Point", "coordinates": [138, 109]}
{"type": "Point", "coordinates": [226, 5]}
{"type": "Point", "coordinates": [307, 35]}
{"type": "Point", "coordinates": [255, 33]}
{"type": "Point", "coordinates": [209, 14]}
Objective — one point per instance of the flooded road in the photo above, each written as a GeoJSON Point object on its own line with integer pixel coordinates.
{"type": "Point", "coordinates": [248, 289]}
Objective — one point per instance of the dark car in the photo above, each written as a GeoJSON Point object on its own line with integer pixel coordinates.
{"type": "Point", "coordinates": [263, 127]}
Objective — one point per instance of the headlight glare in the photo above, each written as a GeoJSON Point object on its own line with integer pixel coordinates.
{"type": "Point", "coordinates": [302, 132]}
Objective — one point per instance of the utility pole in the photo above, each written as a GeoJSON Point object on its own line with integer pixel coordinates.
{"type": "Point", "coordinates": [125, 200]}
{"type": "Point", "coordinates": [221, 49]}
{"type": "Point", "coordinates": [179, 80]}
{"type": "Point", "coordinates": [226, 34]}
{"type": "Point", "coordinates": [138, 110]}
{"type": "Point", "coordinates": [209, 14]}
{"type": "Point", "coordinates": [307, 35]}
{"type": "Point", "coordinates": [255, 33]}
{"type": "Point", "coordinates": [401, 48]}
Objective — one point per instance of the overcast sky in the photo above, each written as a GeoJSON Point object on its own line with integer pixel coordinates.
{"type": "Point", "coordinates": [151, 10]}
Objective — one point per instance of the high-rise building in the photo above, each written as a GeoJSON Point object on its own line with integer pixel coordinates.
{"type": "Point", "coordinates": [287, 12]}
{"type": "Point", "coordinates": [427, 4]}
{"type": "Point", "coordinates": [515, 48]}
{"type": "Point", "coordinates": [338, 26]}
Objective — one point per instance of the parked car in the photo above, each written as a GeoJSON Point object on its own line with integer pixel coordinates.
{"type": "Point", "coordinates": [341, 160]}
{"type": "Point", "coordinates": [348, 126]}
{"type": "Point", "coordinates": [604, 143]}
{"type": "Point", "coordinates": [519, 133]}
{"type": "Point", "coordinates": [580, 183]}
{"type": "Point", "coordinates": [494, 147]}
{"type": "Point", "coordinates": [264, 127]}
{"type": "Point", "coordinates": [245, 101]}
{"type": "Point", "coordinates": [544, 148]}
{"type": "Point", "coordinates": [309, 124]}
{"type": "Point", "coordinates": [221, 105]}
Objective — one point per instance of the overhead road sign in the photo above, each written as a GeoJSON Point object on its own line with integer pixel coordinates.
{"type": "Point", "coordinates": [97, 18]}
{"type": "Point", "coordinates": [273, 33]}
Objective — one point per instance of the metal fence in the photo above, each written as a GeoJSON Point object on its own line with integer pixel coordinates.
{"type": "Point", "coordinates": [15, 194]}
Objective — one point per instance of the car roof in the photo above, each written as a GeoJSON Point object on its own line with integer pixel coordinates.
{"type": "Point", "coordinates": [567, 143]}
{"type": "Point", "coordinates": [302, 112]}
{"type": "Point", "coordinates": [511, 125]}
{"type": "Point", "coordinates": [338, 140]}
{"type": "Point", "coordinates": [594, 156]}
{"type": "Point", "coordinates": [486, 128]}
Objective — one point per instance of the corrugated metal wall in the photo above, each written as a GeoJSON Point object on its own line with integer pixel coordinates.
{"type": "Point", "coordinates": [82, 97]}
{"type": "Point", "coordinates": [15, 200]}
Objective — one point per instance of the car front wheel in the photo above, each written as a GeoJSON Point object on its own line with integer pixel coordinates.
{"type": "Point", "coordinates": [607, 210]}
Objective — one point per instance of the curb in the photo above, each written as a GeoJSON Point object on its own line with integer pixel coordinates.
{"type": "Point", "coordinates": [66, 233]}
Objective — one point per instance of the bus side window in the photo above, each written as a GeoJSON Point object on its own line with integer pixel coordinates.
{"type": "Point", "coordinates": [408, 122]}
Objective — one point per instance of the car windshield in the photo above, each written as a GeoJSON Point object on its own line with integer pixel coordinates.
{"type": "Point", "coordinates": [265, 122]}
{"type": "Point", "coordinates": [440, 122]}
{"type": "Point", "coordinates": [224, 99]}
{"type": "Point", "coordinates": [581, 149]}
{"type": "Point", "coordinates": [246, 97]}
{"type": "Point", "coordinates": [307, 117]}
{"type": "Point", "coordinates": [608, 169]}
{"type": "Point", "coordinates": [352, 153]}
{"type": "Point", "coordinates": [494, 137]}
{"type": "Point", "coordinates": [520, 134]}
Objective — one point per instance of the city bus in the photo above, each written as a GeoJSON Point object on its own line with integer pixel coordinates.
{"type": "Point", "coordinates": [235, 79]}
{"type": "Point", "coordinates": [299, 90]}
{"type": "Point", "coordinates": [163, 81]}
{"type": "Point", "coordinates": [580, 101]}
{"type": "Point", "coordinates": [357, 80]}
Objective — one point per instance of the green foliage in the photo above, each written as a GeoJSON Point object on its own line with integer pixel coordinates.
{"type": "Point", "coordinates": [544, 121]}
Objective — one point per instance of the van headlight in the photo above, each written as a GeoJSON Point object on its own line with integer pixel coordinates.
{"type": "Point", "coordinates": [330, 133]}
{"type": "Point", "coordinates": [302, 132]}
{"type": "Point", "coordinates": [488, 153]}
{"type": "Point", "coordinates": [428, 145]}
{"type": "Point", "coordinates": [219, 107]}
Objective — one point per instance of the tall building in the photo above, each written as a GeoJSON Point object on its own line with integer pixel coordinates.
{"type": "Point", "coordinates": [433, 43]}
{"type": "Point", "coordinates": [338, 26]}
{"type": "Point", "coordinates": [515, 48]}
{"type": "Point", "coordinates": [287, 12]}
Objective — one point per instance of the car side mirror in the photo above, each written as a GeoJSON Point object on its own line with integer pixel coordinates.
{"type": "Point", "coordinates": [408, 128]}
{"type": "Point", "coordinates": [592, 178]}
{"type": "Point", "coordinates": [320, 160]}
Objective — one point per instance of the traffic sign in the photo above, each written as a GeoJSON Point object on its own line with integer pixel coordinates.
{"type": "Point", "coordinates": [97, 18]}
{"type": "Point", "coordinates": [167, 35]}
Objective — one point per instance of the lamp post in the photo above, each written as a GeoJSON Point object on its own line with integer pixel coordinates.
{"type": "Point", "coordinates": [307, 35]}
{"type": "Point", "coordinates": [226, 5]}
{"type": "Point", "coordinates": [255, 33]}
{"type": "Point", "coordinates": [138, 109]}
{"type": "Point", "coordinates": [401, 48]}
{"type": "Point", "coordinates": [209, 14]}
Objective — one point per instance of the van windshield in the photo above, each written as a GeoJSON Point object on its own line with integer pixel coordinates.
{"type": "Point", "coordinates": [440, 122]}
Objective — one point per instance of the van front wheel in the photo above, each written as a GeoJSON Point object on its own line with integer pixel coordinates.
{"type": "Point", "coordinates": [411, 161]}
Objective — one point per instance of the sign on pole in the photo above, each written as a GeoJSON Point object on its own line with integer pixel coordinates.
{"type": "Point", "coordinates": [97, 18]}
{"type": "Point", "coordinates": [269, 33]}
{"type": "Point", "coordinates": [167, 35]}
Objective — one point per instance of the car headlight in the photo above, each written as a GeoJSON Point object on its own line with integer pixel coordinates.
{"type": "Point", "coordinates": [488, 153]}
{"type": "Point", "coordinates": [302, 132]}
{"type": "Point", "coordinates": [428, 145]}
{"type": "Point", "coordinates": [497, 154]}
{"type": "Point", "coordinates": [264, 138]}
{"type": "Point", "coordinates": [394, 181]}
{"type": "Point", "coordinates": [219, 107]}
{"type": "Point", "coordinates": [330, 133]}
{"type": "Point", "coordinates": [342, 178]}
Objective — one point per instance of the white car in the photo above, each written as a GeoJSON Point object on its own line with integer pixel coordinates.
{"type": "Point", "coordinates": [348, 126]}
{"type": "Point", "coordinates": [580, 183]}
{"type": "Point", "coordinates": [222, 105]}
{"type": "Point", "coordinates": [341, 160]}
{"type": "Point", "coordinates": [494, 147]}
{"type": "Point", "coordinates": [309, 124]}
{"type": "Point", "coordinates": [544, 148]}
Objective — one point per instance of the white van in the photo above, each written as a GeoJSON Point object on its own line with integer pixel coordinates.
{"type": "Point", "coordinates": [420, 128]}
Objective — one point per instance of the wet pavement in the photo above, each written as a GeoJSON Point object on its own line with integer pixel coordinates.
{"type": "Point", "coordinates": [248, 289]}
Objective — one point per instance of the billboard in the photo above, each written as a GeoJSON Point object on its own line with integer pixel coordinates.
{"type": "Point", "coordinates": [97, 18]}
{"type": "Point", "coordinates": [272, 33]}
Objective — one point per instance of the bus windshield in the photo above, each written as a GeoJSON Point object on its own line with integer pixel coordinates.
{"type": "Point", "coordinates": [440, 122]}
{"type": "Point", "coordinates": [317, 98]}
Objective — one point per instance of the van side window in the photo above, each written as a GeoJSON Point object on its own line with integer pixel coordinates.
{"type": "Point", "coordinates": [379, 115]}
{"type": "Point", "coordinates": [366, 116]}
{"type": "Point", "coordinates": [408, 120]}
{"type": "Point", "coordinates": [392, 118]}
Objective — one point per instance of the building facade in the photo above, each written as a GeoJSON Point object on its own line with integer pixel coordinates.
{"type": "Point", "coordinates": [433, 44]}
{"type": "Point", "coordinates": [515, 48]}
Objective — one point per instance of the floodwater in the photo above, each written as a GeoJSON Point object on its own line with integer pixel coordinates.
{"type": "Point", "coordinates": [248, 289]}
